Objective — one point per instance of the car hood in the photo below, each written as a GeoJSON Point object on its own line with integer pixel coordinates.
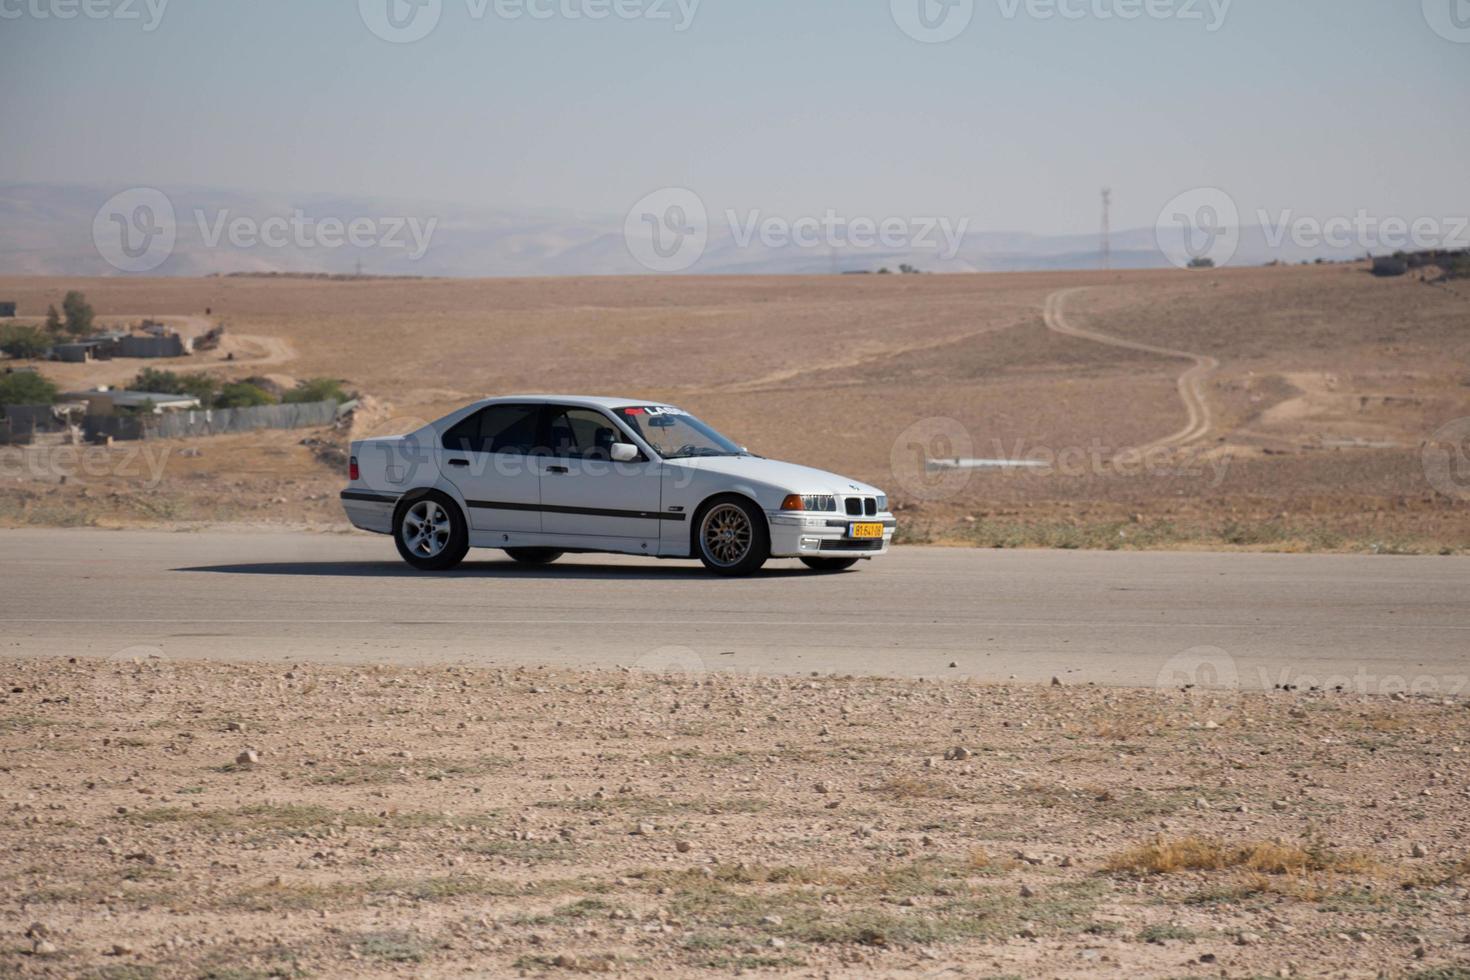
{"type": "Point", "coordinates": [789, 477]}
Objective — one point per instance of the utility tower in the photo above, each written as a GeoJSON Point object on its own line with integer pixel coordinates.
{"type": "Point", "coordinates": [1107, 230]}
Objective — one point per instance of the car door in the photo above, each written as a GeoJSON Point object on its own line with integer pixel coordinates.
{"type": "Point", "coordinates": [488, 457]}
{"type": "Point", "coordinates": [583, 492]}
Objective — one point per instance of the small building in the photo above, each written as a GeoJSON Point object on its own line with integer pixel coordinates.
{"type": "Point", "coordinates": [7, 309]}
{"type": "Point", "coordinates": [1387, 266]}
{"type": "Point", "coordinates": [111, 401]}
{"type": "Point", "coordinates": [148, 345]}
{"type": "Point", "coordinates": [82, 351]}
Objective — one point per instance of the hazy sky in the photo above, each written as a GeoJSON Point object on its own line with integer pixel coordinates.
{"type": "Point", "coordinates": [789, 106]}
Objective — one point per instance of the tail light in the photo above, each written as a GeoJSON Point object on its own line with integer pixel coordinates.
{"type": "Point", "coordinates": [352, 472]}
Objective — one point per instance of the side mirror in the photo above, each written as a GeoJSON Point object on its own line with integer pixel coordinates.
{"type": "Point", "coordinates": [624, 452]}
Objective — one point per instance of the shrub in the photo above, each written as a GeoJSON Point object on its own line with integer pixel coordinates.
{"type": "Point", "coordinates": [27, 388]}
{"type": "Point", "coordinates": [78, 314]}
{"type": "Point", "coordinates": [200, 386]}
{"type": "Point", "coordinates": [316, 390]}
{"type": "Point", "coordinates": [241, 395]}
{"type": "Point", "coordinates": [1202, 263]}
{"type": "Point", "coordinates": [25, 342]}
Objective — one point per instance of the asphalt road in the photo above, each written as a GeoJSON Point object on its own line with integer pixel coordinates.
{"type": "Point", "coordinates": [1374, 623]}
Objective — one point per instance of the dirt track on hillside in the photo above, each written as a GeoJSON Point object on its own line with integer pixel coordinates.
{"type": "Point", "coordinates": [1191, 382]}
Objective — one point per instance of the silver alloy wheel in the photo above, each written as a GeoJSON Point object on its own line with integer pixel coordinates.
{"type": "Point", "coordinates": [726, 535]}
{"type": "Point", "coordinates": [425, 529]}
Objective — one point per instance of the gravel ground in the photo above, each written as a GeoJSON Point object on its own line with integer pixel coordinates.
{"type": "Point", "coordinates": [169, 819]}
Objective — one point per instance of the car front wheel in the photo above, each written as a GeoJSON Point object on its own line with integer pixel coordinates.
{"type": "Point", "coordinates": [731, 537]}
{"type": "Point", "coordinates": [430, 533]}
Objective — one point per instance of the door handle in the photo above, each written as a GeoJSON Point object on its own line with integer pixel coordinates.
{"type": "Point", "coordinates": [557, 469]}
{"type": "Point", "coordinates": [459, 462]}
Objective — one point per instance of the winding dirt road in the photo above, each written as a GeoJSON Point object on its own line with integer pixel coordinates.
{"type": "Point", "coordinates": [1191, 382]}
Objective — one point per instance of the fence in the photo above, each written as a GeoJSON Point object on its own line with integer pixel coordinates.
{"type": "Point", "coordinates": [23, 422]}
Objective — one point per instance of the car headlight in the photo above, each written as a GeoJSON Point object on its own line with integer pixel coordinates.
{"type": "Point", "coordinates": [816, 502]}
{"type": "Point", "coordinates": [882, 503]}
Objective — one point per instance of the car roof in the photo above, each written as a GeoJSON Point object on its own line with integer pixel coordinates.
{"type": "Point", "coordinates": [589, 401]}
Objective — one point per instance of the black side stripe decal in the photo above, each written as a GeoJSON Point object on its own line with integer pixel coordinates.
{"type": "Point", "coordinates": [644, 515]}
{"type": "Point", "coordinates": [376, 498]}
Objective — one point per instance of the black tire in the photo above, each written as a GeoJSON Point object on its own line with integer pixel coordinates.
{"type": "Point", "coordinates": [534, 556]}
{"type": "Point", "coordinates": [829, 564]}
{"type": "Point", "coordinates": [734, 555]}
{"type": "Point", "coordinates": [451, 538]}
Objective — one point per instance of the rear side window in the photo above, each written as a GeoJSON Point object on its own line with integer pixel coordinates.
{"type": "Point", "coordinates": [497, 429]}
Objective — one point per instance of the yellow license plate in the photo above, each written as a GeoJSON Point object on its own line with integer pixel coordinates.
{"type": "Point", "coordinates": [866, 531]}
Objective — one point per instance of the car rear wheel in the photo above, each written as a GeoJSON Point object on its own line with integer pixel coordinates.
{"type": "Point", "coordinates": [731, 537]}
{"type": "Point", "coordinates": [430, 533]}
{"type": "Point", "coordinates": [829, 564]}
{"type": "Point", "coordinates": [534, 556]}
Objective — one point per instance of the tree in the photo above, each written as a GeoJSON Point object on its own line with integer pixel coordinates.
{"type": "Point", "coordinates": [241, 395]}
{"type": "Point", "coordinates": [53, 321]}
{"type": "Point", "coordinates": [78, 314]}
{"type": "Point", "coordinates": [197, 385]}
{"type": "Point", "coordinates": [27, 343]}
{"type": "Point", "coordinates": [27, 388]}
{"type": "Point", "coordinates": [316, 390]}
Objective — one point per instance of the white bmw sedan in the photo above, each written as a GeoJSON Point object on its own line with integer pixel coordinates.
{"type": "Point", "coordinates": [541, 476]}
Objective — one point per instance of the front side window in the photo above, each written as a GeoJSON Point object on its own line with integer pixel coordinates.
{"type": "Point", "coordinates": [497, 429]}
{"type": "Point", "coordinates": [581, 433]}
{"type": "Point", "coordinates": [675, 434]}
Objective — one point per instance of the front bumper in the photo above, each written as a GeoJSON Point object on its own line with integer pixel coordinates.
{"type": "Point", "coordinates": [806, 535]}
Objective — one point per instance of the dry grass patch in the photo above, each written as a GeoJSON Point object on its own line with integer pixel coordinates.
{"type": "Point", "coordinates": [917, 788]}
{"type": "Point", "coordinates": [1264, 857]}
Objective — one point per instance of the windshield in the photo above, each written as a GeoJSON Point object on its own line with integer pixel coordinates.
{"type": "Point", "coordinates": [675, 434]}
